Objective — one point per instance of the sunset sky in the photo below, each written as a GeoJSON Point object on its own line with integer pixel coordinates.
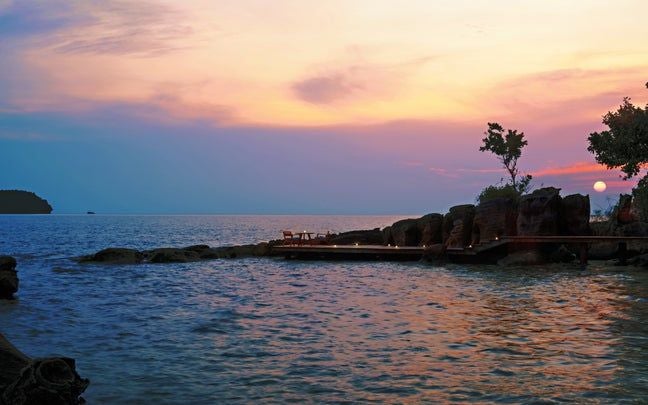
{"type": "Point", "coordinates": [204, 106]}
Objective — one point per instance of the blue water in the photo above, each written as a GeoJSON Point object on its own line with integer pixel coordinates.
{"type": "Point", "coordinates": [270, 330]}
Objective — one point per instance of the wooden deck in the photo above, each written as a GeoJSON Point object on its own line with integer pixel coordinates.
{"type": "Point", "coordinates": [486, 252]}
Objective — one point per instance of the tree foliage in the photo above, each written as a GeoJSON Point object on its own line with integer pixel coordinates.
{"type": "Point", "coordinates": [507, 145]}
{"type": "Point", "coordinates": [494, 192]}
{"type": "Point", "coordinates": [625, 144]}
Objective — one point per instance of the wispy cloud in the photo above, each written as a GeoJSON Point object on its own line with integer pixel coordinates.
{"type": "Point", "coordinates": [359, 80]}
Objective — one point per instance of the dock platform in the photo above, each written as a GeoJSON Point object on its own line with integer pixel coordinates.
{"type": "Point", "coordinates": [486, 252]}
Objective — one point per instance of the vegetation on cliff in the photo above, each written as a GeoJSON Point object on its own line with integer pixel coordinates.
{"type": "Point", "coordinates": [22, 202]}
{"type": "Point", "coordinates": [507, 146]}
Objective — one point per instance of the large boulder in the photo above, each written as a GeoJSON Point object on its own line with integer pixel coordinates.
{"type": "Point", "coordinates": [406, 232]}
{"type": "Point", "coordinates": [539, 213]}
{"type": "Point", "coordinates": [457, 225]}
{"type": "Point", "coordinates": [26, 381]}
{"type": "Point", "coordinates": [114, 256]}
{"type": "Point", "coordinates": [362, 237]}
{"type": "Point", "coordinates": [423, 231]}
{"type": "Point", "coordinates": [575, 215]}
{"type": "Point", "coordinates": [8, 277]}
{"type": "Point", "coordinates": [432, 232]}
{"type": "Point", "coordinates": [493, 219]}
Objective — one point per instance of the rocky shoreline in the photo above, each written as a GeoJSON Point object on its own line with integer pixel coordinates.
{"type": "Point", "coordinates": [540, 213]}
{"type": "Point", "coordinates": [25, 380]}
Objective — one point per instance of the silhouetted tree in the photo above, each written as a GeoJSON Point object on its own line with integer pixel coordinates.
{"type": "Point", "coordinates": [507, 146]}
{"type": "Point", "coordinates": [625, 145]}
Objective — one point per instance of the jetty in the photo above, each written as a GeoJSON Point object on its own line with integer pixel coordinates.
{"type": "Point", "coordinates": [481, 253]}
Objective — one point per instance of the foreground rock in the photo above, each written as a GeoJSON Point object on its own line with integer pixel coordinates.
{"type": "Point", "coordinates": [8, 277]}
{"type": "Point", "coordinates": [188, 254]}
{"type": "Point", "coordinates": [24, 381]}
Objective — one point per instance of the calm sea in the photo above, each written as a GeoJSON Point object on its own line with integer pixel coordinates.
{"type": "Point", "coordinates": [265, 330]}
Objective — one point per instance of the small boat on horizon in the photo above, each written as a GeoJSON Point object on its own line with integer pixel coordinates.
{"type": "Point", "coordinates": [90, 212]}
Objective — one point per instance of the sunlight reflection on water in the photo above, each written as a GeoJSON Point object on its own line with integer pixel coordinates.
{"type": "Point", "coordinates": [272, 330]}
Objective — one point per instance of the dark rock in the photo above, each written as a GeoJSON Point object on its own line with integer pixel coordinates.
{"type": "Point", "coordinates": [539, 213]}
{"type": "Point", "coordinates": [22, 202]}
{"type": "Point", "coordinates": [171, 255]}
{"type": "Point", "coordinates": [432, 229]}
{"type": "Point", "coordinates": [457, 225]}
{"type": "Point", "coordinates": [575, 215]}
{"type": "Point", "coordinates": [626, 212]}
{"type": "Point", "coordinates": [8, 277]}
{"type": "Point", "coordinates": [406, 232]}
{"type": "Point", "coordinates": [362, 237]}
{"type": "Point", "coordinates": [115, 256]}
{"type": "Point", "coordinates": [641, 260]}
{"type": "Point", "coordinates": [25, 381]}
{"type": "Point", "coordinates": [523, 258]}
{"type": "Point", "coordinates": [434, 252]}
{"type": "Point", "coordinates": [197, 248]}
{"type": "Point", "coordinates": [562, 255]}
{"type": "Point", "coordinates": [493, 219]}
{"type": "Point", "coordinates": [423, 231]}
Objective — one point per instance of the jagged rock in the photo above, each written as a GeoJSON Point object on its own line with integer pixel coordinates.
{"type": "Point", "coordinates": [575, 215]}
{"type": "Point", "coordinates": [362, 237]}
{"type": "Point", "coordinates": [522, 258]}
{"type": "Point", "coordinates": [8, 277]}
{"type": "Point", "coordinates": [457, 225]}
{"type": "Point", "coordinates": [432, 232]}
{"type": "Point", "coordinates": [539, 213]}
{"type": "Point", "coordinates": [115, 256]}
{"type": "Point", "coordinates": [494, 219]}
{"type": "Point", "coordinates": [171, 255]}
{"type": "Point", "coordinates": [25, 381]}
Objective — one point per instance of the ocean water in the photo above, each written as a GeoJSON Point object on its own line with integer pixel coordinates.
{"type": "Point", "coordinates": [267, 330]}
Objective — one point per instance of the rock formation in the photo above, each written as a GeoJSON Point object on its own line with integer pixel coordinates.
{"type": "Point", "coordinates": [494, 219]}
{"type": "Point", "coordinates": [22, 202]}
{"type": "Point", "coordinates": [457, 225]}
{"type": "Point", "coordinates": [539, 213]}
{"type": "Point", "coordinates": [8, 277]}
{"type": "Point", "coordinates": [178, 255]}
{"type": "Point", "coordinates": [362, 237]}
{"type": "Point", "coordinates": [575, 215]}
{"type": "Point", "coordinates": [24, 381]}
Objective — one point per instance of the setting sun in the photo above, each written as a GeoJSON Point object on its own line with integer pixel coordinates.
{"type": "Point", "coordinates": [600, 186]}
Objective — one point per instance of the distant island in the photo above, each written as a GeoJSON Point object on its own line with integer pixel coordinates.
{"type": "Point", "coordinates": [22, 202]}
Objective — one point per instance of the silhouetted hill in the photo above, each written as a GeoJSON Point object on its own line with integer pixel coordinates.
{"type": "Point", "coordinates": [22, 202]}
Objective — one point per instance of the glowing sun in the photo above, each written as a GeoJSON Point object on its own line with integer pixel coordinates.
{"type": "Point", "coordinates": [600, 186]}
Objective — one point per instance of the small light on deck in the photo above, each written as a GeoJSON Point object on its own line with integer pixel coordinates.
{"type": "Point", "coordinates": [334, 245]}
{"type": "Point", "coordinates": [396, 246]}
{"type": "Point", "coordinates": [496, 237]}
{"type": "Point", "coordinates": [389, 244]}
{"type": "Point", "coordinates": [424, 246]}
{"type": "Point", "coordinates": [357, 244]}
{"type": "Point", "coordinates": [469, 246]}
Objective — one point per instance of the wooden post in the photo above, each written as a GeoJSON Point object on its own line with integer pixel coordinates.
{"type": "Point", "coordinates": [623, 253]}
{"type": "Point", "coordinates": [582, 254]}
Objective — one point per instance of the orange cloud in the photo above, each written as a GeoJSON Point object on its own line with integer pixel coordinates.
{"type": "Point", "coordinates": [576, 168]}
